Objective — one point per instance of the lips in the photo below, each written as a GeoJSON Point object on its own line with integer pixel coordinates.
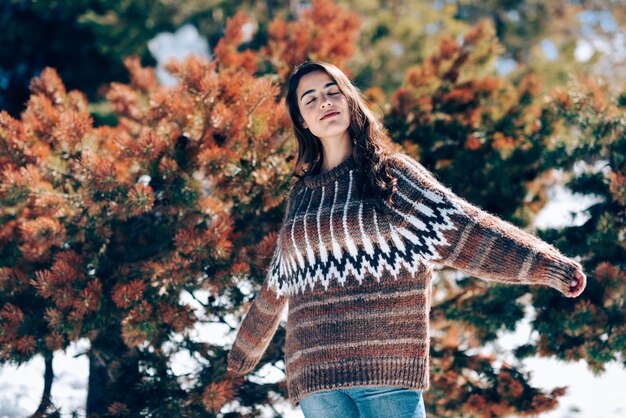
{"type": "Point", "coordinates": [329, 115]}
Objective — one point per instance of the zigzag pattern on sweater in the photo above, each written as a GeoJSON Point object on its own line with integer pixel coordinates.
{"type": "Point", "coordinates": [406, 239]}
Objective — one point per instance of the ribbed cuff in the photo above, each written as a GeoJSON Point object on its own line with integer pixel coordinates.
{"type": "Point", "coordinates": [408, 372]}
{"type": "Point", "coordinates": [558, 271]}
{"type": "Point", "coordinates": [241, 365]}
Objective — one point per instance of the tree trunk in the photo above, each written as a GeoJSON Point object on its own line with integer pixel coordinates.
{"type": "Point", "coordinates": [98, 380]}
{"type": "Point", "coordinates": [113, 372]}
{"type": "Point", "coordinates": [269, 6]}
{"type": "Point", "coordinates": [48, 377]}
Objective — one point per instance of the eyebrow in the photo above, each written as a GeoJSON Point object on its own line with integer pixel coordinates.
{"type": "Point", "coordinates": [312, 90]}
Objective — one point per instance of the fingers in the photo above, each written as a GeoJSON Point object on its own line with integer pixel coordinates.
{"type": "Point", "coordinates": [577, 284]}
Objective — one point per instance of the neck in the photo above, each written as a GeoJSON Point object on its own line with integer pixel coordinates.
{"type": "Point", "coordinates": [336, 154]}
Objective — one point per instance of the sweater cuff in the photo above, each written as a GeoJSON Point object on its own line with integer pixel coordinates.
{"type": "Point", "coordinates": [557, 271]}
{"type": "Point", "coordinates": [240, 365]}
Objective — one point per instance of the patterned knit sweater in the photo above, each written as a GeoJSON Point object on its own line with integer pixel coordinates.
{"type": "Point", "coordinates": [357, 281]}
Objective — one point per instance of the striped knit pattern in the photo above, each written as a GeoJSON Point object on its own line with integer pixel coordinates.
{"type": "Point", "coordinates": [358, 281]}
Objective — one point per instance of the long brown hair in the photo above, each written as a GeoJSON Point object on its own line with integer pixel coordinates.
{"type": "Point", "coordinates": [372, 143]}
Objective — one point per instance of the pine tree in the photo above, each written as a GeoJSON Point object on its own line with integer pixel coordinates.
{"type": "Point", "coordinates": [594, 328]}
{"type": "Point", "coordinates": [495, 142]}
{"type": "Point", "coordinates": [106, 231]}
{"type": "Point", "coordinates": [322, 31]}
{"type": "Point", "coordinates": [104, 228]}
{"type": "Point", "coordinates": [39, 34]}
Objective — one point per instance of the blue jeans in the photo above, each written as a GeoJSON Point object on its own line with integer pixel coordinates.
{"type": "Point", "coordinates": [365, 402]}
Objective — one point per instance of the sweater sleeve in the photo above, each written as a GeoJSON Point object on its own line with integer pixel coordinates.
{"type": "Point", "coordinates": [260, 322]}
{"type": "Point", "coordinates": [256, 330]}
{"type": "Point", "coordinates": [462, 236]}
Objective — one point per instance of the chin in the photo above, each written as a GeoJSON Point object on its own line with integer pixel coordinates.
{"type": "Point", "coordinates": [334, 130]}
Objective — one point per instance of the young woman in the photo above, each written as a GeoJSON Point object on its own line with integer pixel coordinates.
{"type": "Point", "coordinates": [363, 226]}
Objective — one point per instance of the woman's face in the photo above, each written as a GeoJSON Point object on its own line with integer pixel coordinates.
{"type": "Point", "coordinates": [318, 94]}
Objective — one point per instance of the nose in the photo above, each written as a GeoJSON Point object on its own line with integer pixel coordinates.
{"type": "Point", "coordinates": [325, 101]}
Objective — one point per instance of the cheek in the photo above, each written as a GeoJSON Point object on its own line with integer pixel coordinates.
{"type": "Point", "coordinates": [309, 115]}
{"type": "Point", "coordinates": [343, 102]}
{"type": "Point", "coordinates": [303, 113]}
{"type": "Point", "coordinates": [305, 117]}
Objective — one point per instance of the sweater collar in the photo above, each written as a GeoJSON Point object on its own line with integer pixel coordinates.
{"type": "Point", "coordinates": [326, 177]}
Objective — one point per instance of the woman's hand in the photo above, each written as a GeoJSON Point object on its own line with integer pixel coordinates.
{"type": "Point", "coordinates": [577, 284]}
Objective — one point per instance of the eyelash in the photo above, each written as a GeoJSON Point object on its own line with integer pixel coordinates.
{"type": "Point", "coordinates": [330, 94]}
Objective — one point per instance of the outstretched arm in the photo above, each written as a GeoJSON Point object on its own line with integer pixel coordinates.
{"type": "Point", "coordinates": [470, 239]}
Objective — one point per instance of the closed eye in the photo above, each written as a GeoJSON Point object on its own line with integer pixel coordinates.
{"type": "Point", "coordinates": [330, 94]}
